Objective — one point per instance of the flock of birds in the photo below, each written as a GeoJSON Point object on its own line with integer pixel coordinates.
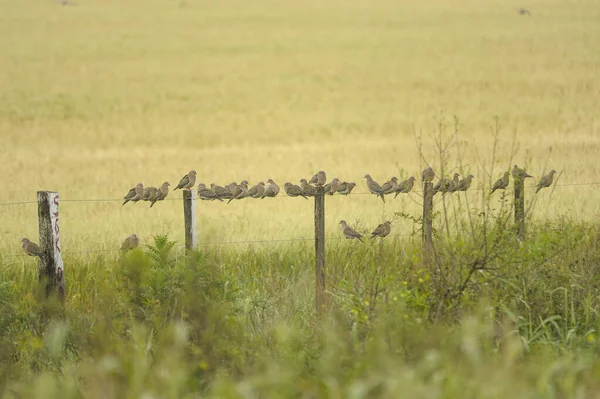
{"type": "Point", "coordinates": [307, 188]}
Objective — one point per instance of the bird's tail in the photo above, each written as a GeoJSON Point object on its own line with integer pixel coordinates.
{"type": "Point", "coordinates": [382, 197]}
{"type": "Point", "coordinates": [126, 201]}
{"type": "Point", "coordinates": [230, 199]}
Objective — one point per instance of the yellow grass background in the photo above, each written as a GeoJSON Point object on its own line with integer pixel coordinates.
{"type": "Point", "coordinates": [102, 94]}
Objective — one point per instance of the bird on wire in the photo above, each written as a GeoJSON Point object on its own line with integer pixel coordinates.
{"type": "Point", "coordinates": [454, 184]}
{"type": "Point", "coordinates": [319, 178]}
{"type": "Point", "coordinates": [206, 194]}
{"type": "Point", "coordinates": [443, 186]}
{"type": "Point", "coordinates": [390, 186]}
{"type": "Point", "coordinates": [501, 183]}
{"type": "Point", "coordinates": [346, 188]}
{"type": "Point", "coordinates": [294, 190]}
{"type": "Point", "coordinates": [130, 243]}
{"type": "Point", "coordinates": [383, 230]}
{"type": "Point", "coordinates": [406, 186]}
{"type": "Point", "coordinates": [331, 188]}
{"type": "Point", "coordinates": [308, 189]}
{"type": "Point", "coordinates": [428, 174]}
{"type": "Point", "coordinates": [272, 189]}
{"type": "Point", "coordinates": [150, 193]}
{"type": "Point", "coordinates": [465, 183]}
{"type": "Point", "coordinates": [546, 181]}
{"type": "Point", "coordinates": [135, 194]}
{"type": "Point", "coordinates": [31, 248]}
{"type": "Point", "coordinates": [163, 191]}
{"type": "Point", "coordinates": [257, 190]}
{"type": "Point", "coordinates": [374, 187]}
{"type": "Point", "coordinates": [220, 191]}
{"type": "Point", "coordinates": [243, 191]}
{"type": "Point", "coordinates": [232, 188]}
{"type": "Point", "coordinates": [187, 181]}
{"type": "Point", "coordinates": [518, 173]}
{"type": "Point", "coordinates": [349, 232]}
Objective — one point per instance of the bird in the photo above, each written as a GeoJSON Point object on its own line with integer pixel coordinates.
{"type": "Point", "coordinates": [501, 183]}
{"type": "Point", "coordinates": [187, 181]}
{"type": "Point", "coordinates": [309, 189]}
{"type": "Point", "coordinates": [465, 183]}
{"type": "Point", "coordinates": [428, 174]}
{"type": "Point", "coordinates": [135, 194]}
{"type": "Point", "coordinates": [346, 188]}
{"type": "Point", "coordinates": [331, 188]}
{"type": "Point", "coordinates": [546, 181]}
{"type": "Point", "coordinates": [349, 232]}
{"type": "Point", "coordinates": [243, 191]}
{"type": "Point", "coordinates": [383, 230]}
{"type": "Point", "coordinates": [406, 186]}
{"type": "Point", "coordinates": [130, 243]}
{"type": "Point", "coordinates": [454, 184]}
{"type": "Point", "coordinates": [374, 187]}
{"type": "Point", "coordinates": [31, 248]}
{"type": "Point", "coordinates": [207, 194]}
{"type": "Point", "coordinates": [163, 191]}
{"type": "Point", "coordinates": [272, 189]}
{"type": "Point", "coordinates": [257, 190]}
{"type": "Point", "coordinates": [390, 186]}
{"type": "Point", "coordinates": [524, 11]}
{"type": "Point", "coordinates": [294, 190]}
{"type": "Point", "coordinates": [518, 173]}
{"type": "Point", "coordinates": [319, 178]}
{"type": "Point", "coordinates": [149, 193]}
{"type": "Point", "coordinates": [220, 191]}
{"type": "Point", "coordinates": [443, 185]}
{"type": "Point", "coordinates": [232, 188]}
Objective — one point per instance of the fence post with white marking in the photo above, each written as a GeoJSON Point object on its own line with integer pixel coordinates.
{"type": "Point", "coordinates": [189, 214]}
{"type": "Point", "coordinates": [51, 266]}
{"type": "Point", "coordinates": [320, 249]}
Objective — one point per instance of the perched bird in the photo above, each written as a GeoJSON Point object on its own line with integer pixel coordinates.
{"type": "Point", "coordinates": [31, 248]}
{"type": "Point", "coordinates": [319, 178]}
{"type": "Point", "coordinates": [220, 191]}
{"type": "Point", "coordinates": [518, 173]}
{"type": "Point", "coordinates": [443, 186]}
{"type": "Point", "coordinates": [257, 190]}
{"type": "Point", "coordinates": [406, 186]}
{"type": "Point", "coordinates": [149, 193]}
{"type": "Point", "coordinates": [546, 181]}
{"type": "Point", "coordinates": [207, 194]}
{"type": "Point", "coordinates": [346, 187]}
{"type": "Point", "coordinates": [293, 190]}
{"type": "Point", "coordinates": [428, 174]}
{"type": "Point", "coordinates": [455, 182]}
{"type": "Point", "coordinates": [390, 186]}
{"type": "Point", "coordinates": [383, 230]}
{"type": "Point", "coordinates": [163, 191]}
{"type": "Point", "coordinates": [308, 189]}
{"type": "Point", "coordinates": [135, 194]}
{"type": "Point", "coordinates": [331, 188]}
{"type": "Point", "coordinates": [501, 183]}
{"type": "Point", "coordinates": [465, 183]}
{"type": "Point", "coordinates": [130, 243]}
{"type": "Point", "coordinates": [243, 191]}
{"type": "Point", "coordinates": [349, 232]}
{"type": "Point", "coordinates": [374, 187]}
{"type": "Point", "coordinates": [272, 189]}
{"type": "Point", "coordinates": [524, 11]}
{"type": "Point", "coordinates": [232, 188]}
{"type": "Point", "coordinates": [187, 181]}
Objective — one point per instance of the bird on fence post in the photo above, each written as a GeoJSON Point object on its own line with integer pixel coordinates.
{"type": "Point", "coordinates": [501, 183]}
{"type": "Point", "coordinates": [187, 181]}
{"type": "Point", "coordinates": [465, 183]}
{"type": "Point", "coordinates": [390, 186]}
{"type": "Point", "coordinates": [135, 194]}
{"type": "Point", "coordinates": [294, 190]}
{"type": "Point", "coordinates": [163, 191]}
{"type": "Point", "coordinates": [383, 230]}
{"type": "Point", "coordinates": [31, 248]}
{"type": "Point", "coordinates": [428, 174]}
{"type": "Point", "coordinates": [243, 191]}
{"type": "Point", "coordinates": [207, 194]}
{"type": "Point", "coordinates": [346, 188]}
{"type": "Point", "coordinates": [331, 188]}
{"type": "Point", "coordinates": [130, 243]}
{"type": "Point", "coordinates": [257, 190]}
{"type": "Point", "coordinates": [272, 189]}
{"type": "Point", "coordinates": [443, 186]}
{"type": "Point", "coordinates": [374, 187]}
{"type": "Point", "coordinates": [406, 186]}
{"type": "Point", "coordinates": [349, 232]}
{"type": "Point", "coordinates": [545, 181]}
{"type": "Point", "coordinates": [319, 178]}
{"type": "Point", "coordinates": [518, 173]}
{"type": "Point", "coordinates": [308, 189]}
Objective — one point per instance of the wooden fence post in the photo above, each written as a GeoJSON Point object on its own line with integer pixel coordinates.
{"type": "Point", "coordinates": [428, 221]}
{"type": "Point", "coordinates": [320, 249]}
{"type": "Point", "coordinates": [51, 267]}
{"type": "Point", "coordinates": [189, 214]}
{"type": "Point", "coordinates": [520, 206]}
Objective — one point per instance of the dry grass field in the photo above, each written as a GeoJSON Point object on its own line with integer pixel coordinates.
{"type": "Point", "coordinates": [99, 95]}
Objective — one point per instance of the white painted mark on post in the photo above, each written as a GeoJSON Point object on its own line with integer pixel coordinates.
{"type": "Point", "coordinates": [54, 200]}
{"type": "Point", "coordinates": [193, 222]}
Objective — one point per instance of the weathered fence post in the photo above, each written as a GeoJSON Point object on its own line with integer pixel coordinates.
{"type": "Point", "coordinates": [428, 221]}
{"type": "Point", "coordinates": [189, 214]}
{"type": "Point", "coordinates": [320, 249]}
{"type": "Point", "coordinates": [520, 206]}
{"type": "Point", "coordinates": [51, 268]}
